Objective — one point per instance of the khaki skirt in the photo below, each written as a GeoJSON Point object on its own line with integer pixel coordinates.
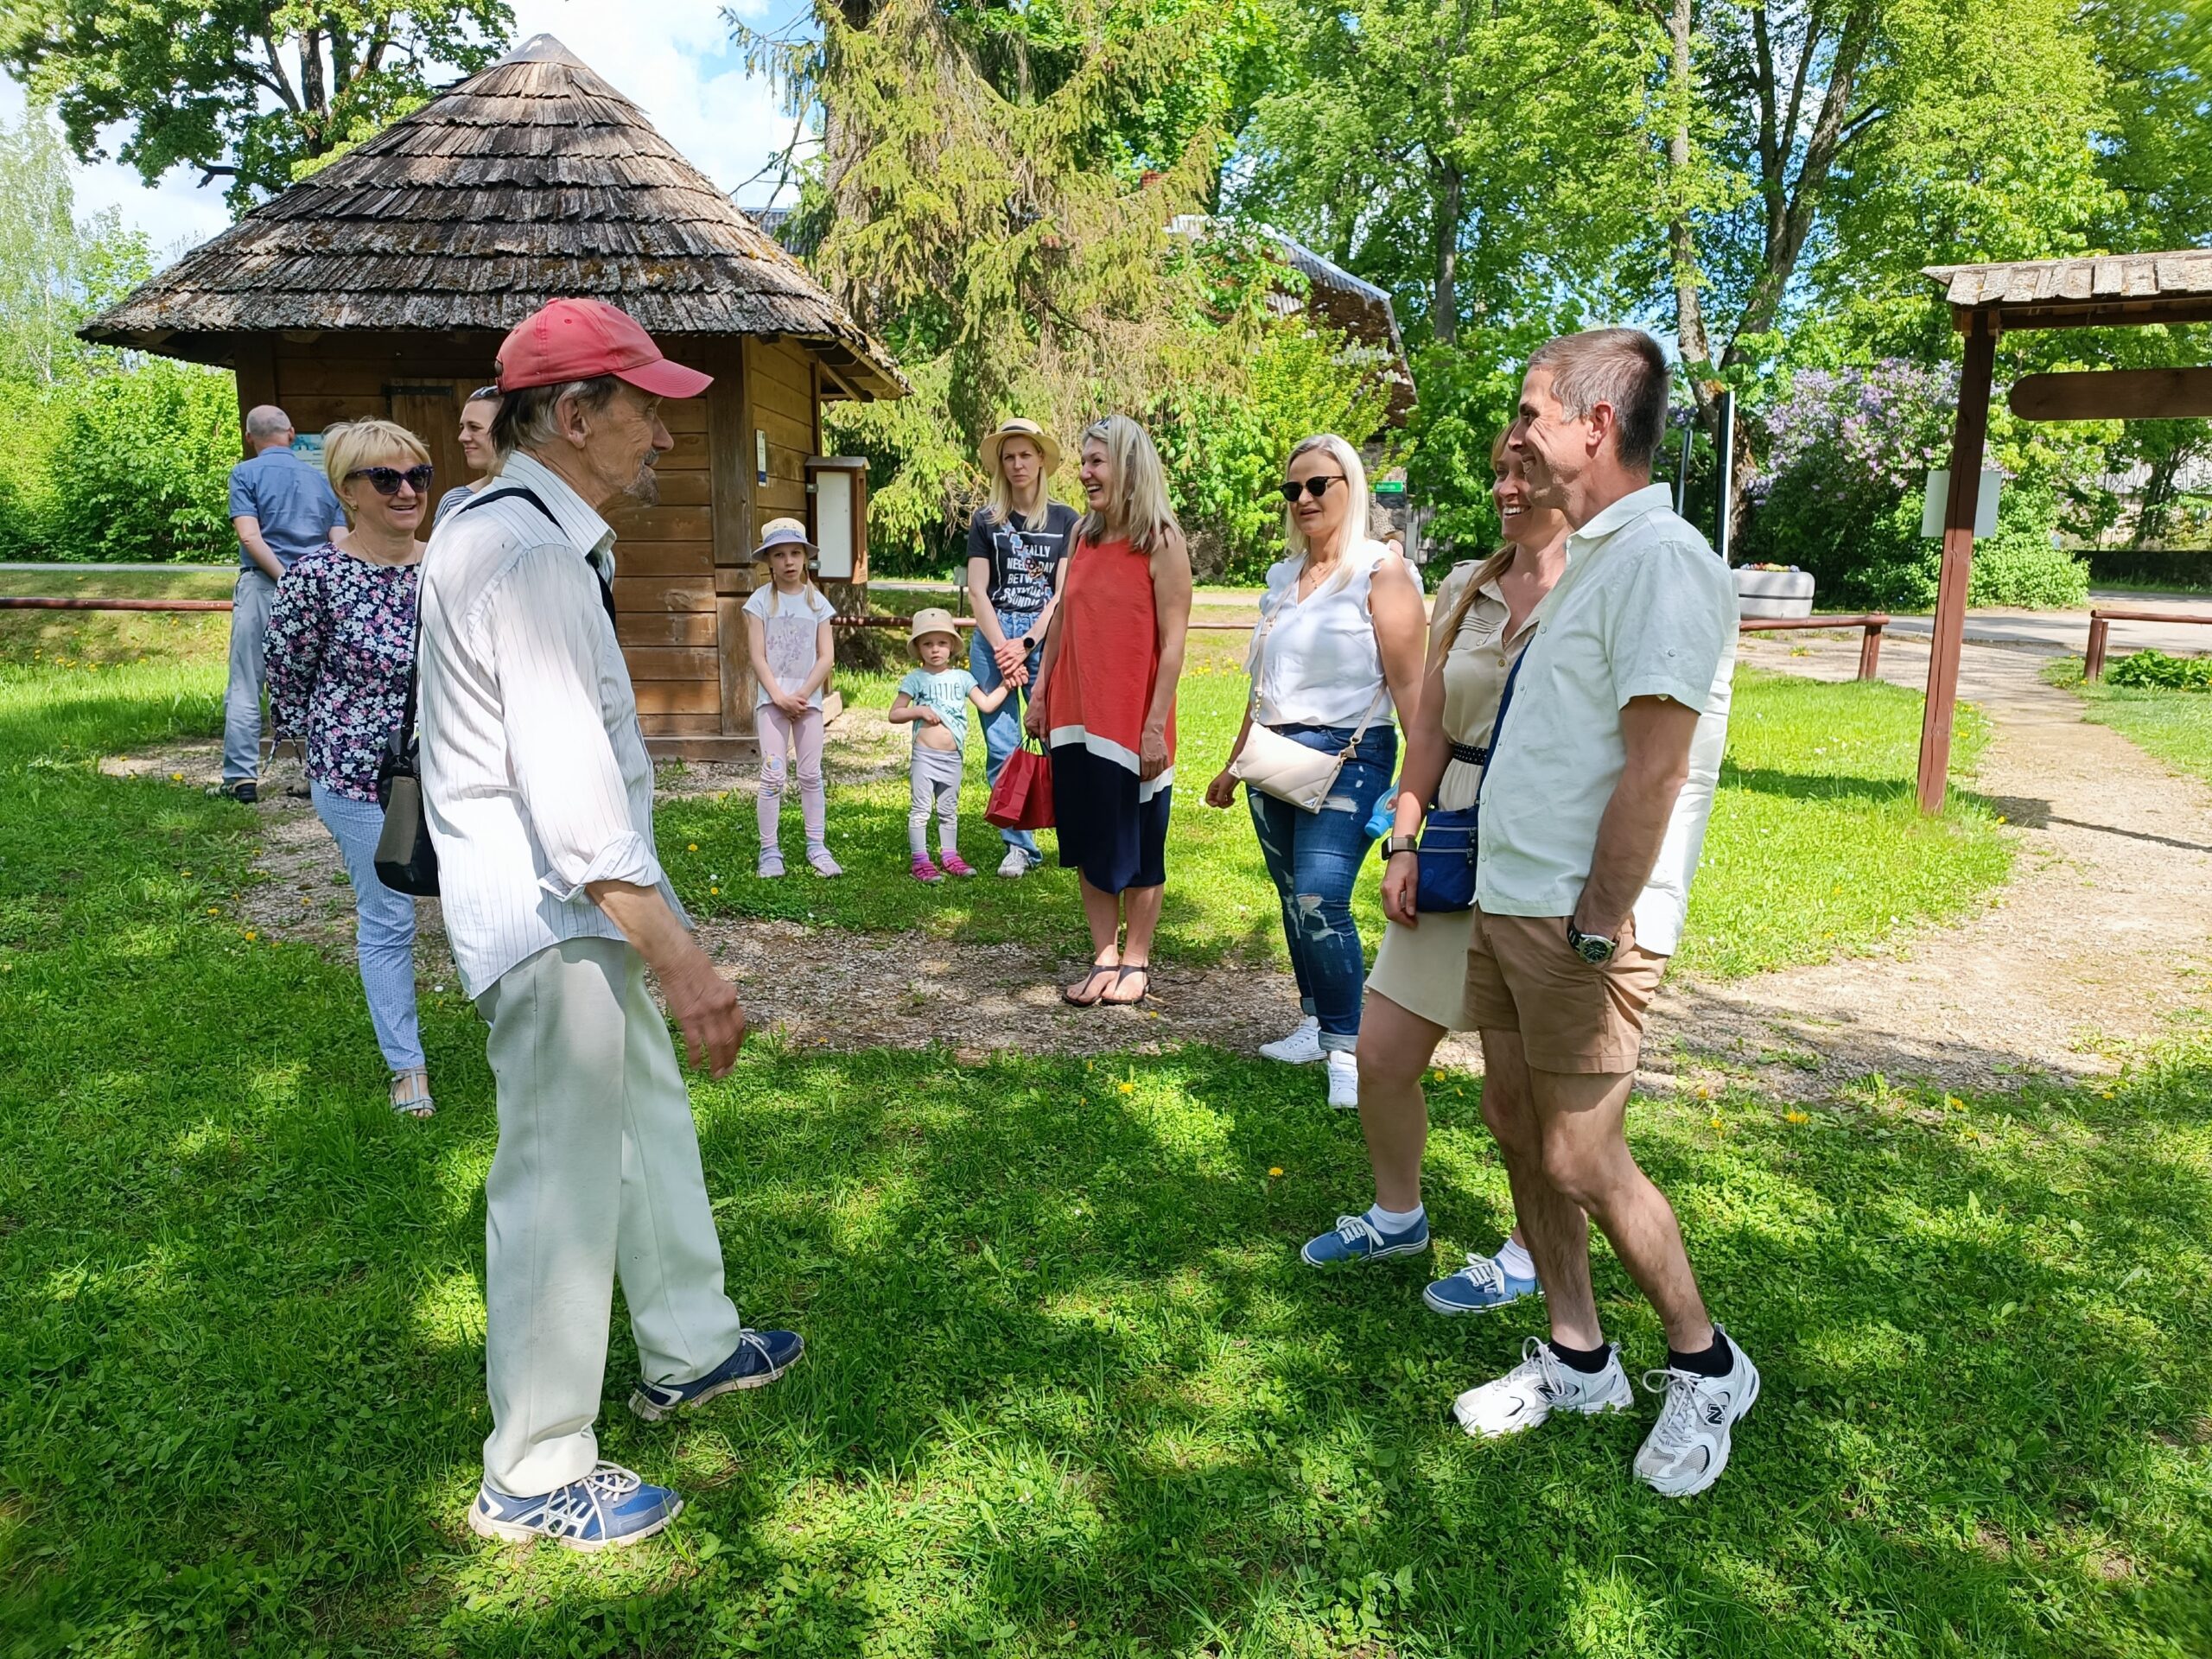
{"type": "Point", "coordinates": [1424, 970]}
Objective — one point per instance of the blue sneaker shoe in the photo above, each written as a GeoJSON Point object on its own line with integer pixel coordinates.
{"type": "Point", "coordinates": [1357, 1239]}
{"type": "Point", "coordinates": [1477, 1287]}
{"type": "Point", "coordinates": [608, 1508]}
{"type": "Point", "coordinates": [761, 1358]}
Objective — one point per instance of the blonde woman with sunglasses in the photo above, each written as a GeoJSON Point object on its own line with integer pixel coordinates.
{"type": "Point", "coordinates": [340, 651]}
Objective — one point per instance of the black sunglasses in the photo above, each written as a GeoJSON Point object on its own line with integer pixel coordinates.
{"type": "Point", "coordinates": [1316, 487]}
{"type": "Point", "coordinates": [386, 481]}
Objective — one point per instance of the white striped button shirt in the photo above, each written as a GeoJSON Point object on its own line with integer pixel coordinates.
{"type": "Point", "coordinates": [535, 776]}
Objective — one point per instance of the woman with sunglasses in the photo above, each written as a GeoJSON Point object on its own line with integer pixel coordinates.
{"type": "Point", "coordinates": [341, 646]}
{"type": "Point", "coordinates": [1339, 644]}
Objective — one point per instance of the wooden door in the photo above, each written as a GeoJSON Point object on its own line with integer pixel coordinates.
{"type": "Point", "coordinates": [432, 412]}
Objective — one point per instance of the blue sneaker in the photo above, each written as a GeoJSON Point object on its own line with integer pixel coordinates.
{"type": "Point", "coordinates": [1357, 1239]}
{"type": "Point", "coordinates": [1477, 1287]}
{"type": "Point", "coordinates": [608, 1508]}
{"type": "Point", "coordinates": [761, 1358]}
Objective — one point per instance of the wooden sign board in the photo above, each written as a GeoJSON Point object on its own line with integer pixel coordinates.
{"type": "Point", "coordinates": [2115, 395]}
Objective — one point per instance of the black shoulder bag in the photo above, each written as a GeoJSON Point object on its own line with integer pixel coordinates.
{"type": "Point", "coordinates": [407, 859]}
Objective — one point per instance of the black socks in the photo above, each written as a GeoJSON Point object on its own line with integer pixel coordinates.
{"type": "Point", "coordinates": [1588, 1361]}
{"type": "Point", "coordinates": [1713, 1362]}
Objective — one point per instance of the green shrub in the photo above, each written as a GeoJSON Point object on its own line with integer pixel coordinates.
{"type": "Point", "coordinates": [2155, 670]}
{"type": "Point", "coordinates": [1891, 566]}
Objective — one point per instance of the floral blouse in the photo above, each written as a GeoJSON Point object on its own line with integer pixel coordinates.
{"type": "Point", "coordinates": [341, 638]}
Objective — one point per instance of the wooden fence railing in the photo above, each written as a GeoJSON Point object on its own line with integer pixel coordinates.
{"type": "Point", "coordinates": [2100, 621]}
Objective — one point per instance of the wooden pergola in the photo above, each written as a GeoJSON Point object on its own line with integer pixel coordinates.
{"type": "Point", "coordinates": [2106, 291]}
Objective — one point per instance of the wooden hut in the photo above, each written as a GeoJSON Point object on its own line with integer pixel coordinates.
{"type": "Point", "coordinates": [384, 283]}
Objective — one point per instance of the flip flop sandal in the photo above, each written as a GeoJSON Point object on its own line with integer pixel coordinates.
{"type": "Point", "coordinates": [1097, 969]}
{"type": "Point", "coordinates": [1120, 974]}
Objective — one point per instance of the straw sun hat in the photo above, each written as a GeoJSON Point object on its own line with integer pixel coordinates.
{"type": "Point", "coordinates": [988, 451]}
{"type": "Point", "coordinates": [932, 620]}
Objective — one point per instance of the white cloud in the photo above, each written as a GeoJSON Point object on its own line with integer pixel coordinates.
{"type": "Point", "coordinates": [676, 61]}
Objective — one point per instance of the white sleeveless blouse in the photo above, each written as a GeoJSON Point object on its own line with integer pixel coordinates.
{"type": "Point", "coordinates": [1316, 663]}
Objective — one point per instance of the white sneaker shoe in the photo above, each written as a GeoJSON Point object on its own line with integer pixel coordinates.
{"type": "Point", "coordinates": [1016, 863]}
{"type": "Point", "coordinates": [1687, 1447]}
{"type": "Point", "coordinates": [1538, 1386]}
{"type": "Point", "coordinates": [1343, 1079]}
{"type": "Point", "coordinates": [1301, 1047]}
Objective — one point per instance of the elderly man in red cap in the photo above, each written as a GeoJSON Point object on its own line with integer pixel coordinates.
{"type": "Point", "coordinates": [539, 795]}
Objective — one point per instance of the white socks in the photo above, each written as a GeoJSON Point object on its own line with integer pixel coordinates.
{"type": "Point", "coordinates": [1516, 1261]}
{"type": "Point", "coordinates": [1393, 1221]}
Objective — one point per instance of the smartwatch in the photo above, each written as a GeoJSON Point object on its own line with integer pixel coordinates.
{"type": "Point", "coordinates": [1393, 845]}
{"type": "Point", "coordinates": [1589, 946]}
{"type": "Point", "coordinates": [1027, 644]}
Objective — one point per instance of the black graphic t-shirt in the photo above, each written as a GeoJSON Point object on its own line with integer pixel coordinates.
{"type": "Point", "coordinates": [1023, 561]}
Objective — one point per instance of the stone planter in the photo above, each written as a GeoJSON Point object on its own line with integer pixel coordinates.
{"type": "Point", "coordinates": [1774, 593]}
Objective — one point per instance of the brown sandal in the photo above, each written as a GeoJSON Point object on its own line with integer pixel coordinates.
{"type": "Point", "coordinates": [1123, 973]}
{"type": "Point", "coordinates": [1068, 996]}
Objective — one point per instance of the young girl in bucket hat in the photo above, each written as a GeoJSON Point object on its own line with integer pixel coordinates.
{"type": "Point", "coordinates": [787, 633]}
{"type": "Point", "coordinates": [935, 697]}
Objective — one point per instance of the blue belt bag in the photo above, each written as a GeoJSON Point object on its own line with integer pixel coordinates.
{"type": "Point", "coordinates": [1446, 853]}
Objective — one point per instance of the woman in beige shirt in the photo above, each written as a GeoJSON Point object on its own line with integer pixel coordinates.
{"type": "Point", "coordinates": [1481, 618]}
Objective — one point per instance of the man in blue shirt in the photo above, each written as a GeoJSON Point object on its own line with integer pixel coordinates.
{"type": "Point", "coordinates": [281, 506]}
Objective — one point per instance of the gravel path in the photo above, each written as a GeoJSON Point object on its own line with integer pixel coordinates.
{"type": "Point", "coordinates": [2095, 945]}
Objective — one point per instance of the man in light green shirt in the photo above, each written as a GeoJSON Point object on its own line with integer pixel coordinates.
{"type": "Point", "coordinates": [1593, 812]}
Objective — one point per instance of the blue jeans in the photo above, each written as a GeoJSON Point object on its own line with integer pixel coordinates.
{"type": "Point", "coordinates": [1002, 726]}
{"type": "Point", "coordinates": [1314, 859]}
{"type": "Point", "coordinates": [251, 602]}
{"type": "Point", "coordinates": [385, 939]}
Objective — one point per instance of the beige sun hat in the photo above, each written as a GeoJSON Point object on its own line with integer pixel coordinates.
{"type": "Point", "coordinates": [932, 620]}
{"type": "Point", "coordinates": [782, 532]}
{"type": "Point", "coordinates": [988, 451]}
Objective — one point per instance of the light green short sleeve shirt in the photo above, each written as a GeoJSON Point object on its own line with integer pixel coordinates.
{"type": "Point", "coordinates": [1644, 609]}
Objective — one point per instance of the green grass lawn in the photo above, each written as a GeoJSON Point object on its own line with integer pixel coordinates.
{"type": "Point", "coordinates": [1069, 1391]}
{"type": "Point", "coordinates": [2175, 726]}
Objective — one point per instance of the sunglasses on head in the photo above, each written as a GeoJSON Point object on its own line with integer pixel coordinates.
{"type": "Point", "coordinates": [386, 481]}
{"type": "Point", "coordinates": [1316, 487]}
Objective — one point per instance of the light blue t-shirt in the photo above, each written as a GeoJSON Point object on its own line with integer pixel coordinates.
{"type": "Point", "coordinates": [947, 693]}
{"type": "Point", "coordinates": [291, 498]}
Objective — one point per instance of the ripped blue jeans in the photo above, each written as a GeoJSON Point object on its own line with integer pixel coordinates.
{"type": "Point", "coordinates": [1314, 859]}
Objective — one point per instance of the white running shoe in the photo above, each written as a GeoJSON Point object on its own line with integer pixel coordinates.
{"type": "Point", "coordinates": [1343, 1079]}
{"type": "Point", "coordinates": [1301, 1047]}
{"type": "Point", "coordinates": [1016, 863]}
{"type": "Point", "coordinates": [1687, 1447]}
{"type": "Point", "coordinates": [1538, 1386]}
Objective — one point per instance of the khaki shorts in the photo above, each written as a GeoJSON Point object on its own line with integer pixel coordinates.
{"type": "Point", "coordinates": [1570, 1015]}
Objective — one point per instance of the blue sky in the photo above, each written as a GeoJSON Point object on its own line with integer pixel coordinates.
{"type": "Point", "coordinates": [672, 58]}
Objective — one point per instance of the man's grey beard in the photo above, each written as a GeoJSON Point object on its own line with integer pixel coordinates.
{"type": "Point", "coordinates": [645, 489]}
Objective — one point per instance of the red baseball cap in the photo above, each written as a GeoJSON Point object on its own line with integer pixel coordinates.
{"type": "Point", "coordinates": [581, 340]}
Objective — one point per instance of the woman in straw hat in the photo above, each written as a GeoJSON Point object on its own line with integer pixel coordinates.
{"type": "Point", "coordinates": [1105, 693]}
{"type": "Point", "coordinates": [1017, 548]}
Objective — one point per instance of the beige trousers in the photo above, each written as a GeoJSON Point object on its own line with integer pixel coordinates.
{"type": "Point", "coordinates": [597, 1173]}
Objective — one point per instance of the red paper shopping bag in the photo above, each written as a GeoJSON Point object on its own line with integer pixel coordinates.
{"type": "Point", "coordinates": [1022, 797]}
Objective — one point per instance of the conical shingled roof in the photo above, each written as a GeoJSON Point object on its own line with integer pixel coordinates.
{"type": "Point", "coordinates": [532, 180]}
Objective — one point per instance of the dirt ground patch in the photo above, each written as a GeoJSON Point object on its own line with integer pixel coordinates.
{"type": "Point", "coordinates": [2095, 945]}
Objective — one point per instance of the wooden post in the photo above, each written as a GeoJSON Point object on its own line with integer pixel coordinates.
{"type": "Point", "coordinates": [1870, 653]}
{"type": "Point", "coordinates": [1957, 558]}
{"type": "Point", "coordinates": [2093, 660]}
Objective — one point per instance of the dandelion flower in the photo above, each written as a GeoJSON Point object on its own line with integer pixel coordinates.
{"type": "Point", "coordinates": [212, 911]}
{"type": "Point", "coordinates": [1796, 1117]}
{"type": "Point", "coordinates": [176, 777]}
{"type": "Point", "coordinates": [1955, 1102]}
{"type": "Point", "coordinates": [714, 890]}
{"type": "Point", "coordinates": [1128, 1088]}
{"type": "Point", "coordinates": [1717, 1124]}
{"type": "Point", "coordinates": [1274, 1169]}
{"type": "Point", "coordinates": [250, 934]}
{"type": "Point", "coordinates": [691, 847]}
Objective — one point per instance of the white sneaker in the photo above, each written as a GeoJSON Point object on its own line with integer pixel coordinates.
{"type": "Point", "coordinates": [1016, 863]}
{"type": "Point", "coordinates": [1538, 1386]}
{"type": "Point", "coordinates": [1343, 1079]}
{"type": "Point", "coordinates": [1687, 1447]}
{"type": "Point", "coordinates": [1301, 1047]}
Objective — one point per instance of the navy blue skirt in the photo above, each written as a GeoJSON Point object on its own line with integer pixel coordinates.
{"type": "Point", "coordinates": [1115, 839]}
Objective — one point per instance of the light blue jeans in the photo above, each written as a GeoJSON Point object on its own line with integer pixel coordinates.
{"type": "Point", "coordinates": [251, 601]}
{"type": "Point", "coordinates": [385, 941]}
{"type": "Point", "coordinates": [1002, 726]}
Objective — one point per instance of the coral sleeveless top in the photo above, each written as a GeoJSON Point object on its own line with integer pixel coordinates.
{"type": "Point", "coordinates": [1109, 659]}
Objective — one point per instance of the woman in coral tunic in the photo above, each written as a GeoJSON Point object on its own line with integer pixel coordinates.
{"type": "Point", "coordinates": [1105, 703]}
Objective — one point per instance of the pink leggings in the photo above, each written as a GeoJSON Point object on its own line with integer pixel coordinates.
{"type": "Point", "coordinates": [802, 738]}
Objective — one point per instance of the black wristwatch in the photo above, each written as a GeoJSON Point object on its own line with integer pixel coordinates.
{"type": "Point", "coordinates": [1027, 644]}
{"type": "Point", "coordinates": [1393, 845]}
{"type": "Point", "coordinates": [1589, 946]}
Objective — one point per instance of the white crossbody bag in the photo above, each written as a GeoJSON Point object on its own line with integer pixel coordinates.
{"type": "Point", "coordinates": [1282, 767]}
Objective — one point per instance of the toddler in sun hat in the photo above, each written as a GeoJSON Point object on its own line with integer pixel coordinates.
{"type": "Point", "coordinates": [788, 636]}
{"type": "Point", "coordinates": [935, 697]}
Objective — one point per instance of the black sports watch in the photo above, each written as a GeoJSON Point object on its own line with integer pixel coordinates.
{"type": "Point", "coordinates": [1393, 845]}
{"type": "Point", "coordinates": [1589, 946]}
